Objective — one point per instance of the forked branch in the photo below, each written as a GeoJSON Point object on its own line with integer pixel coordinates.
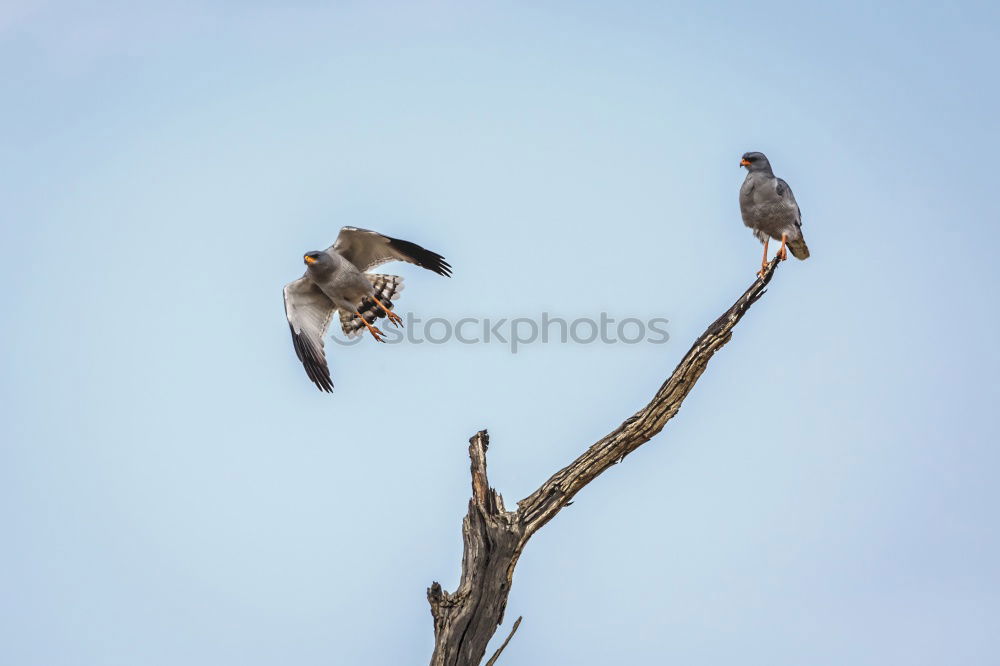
{"type": "Point", "coordinates": [465, 620]}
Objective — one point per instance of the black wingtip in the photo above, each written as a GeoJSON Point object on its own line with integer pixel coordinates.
{"type": "Point", "coordinates": [323, 382]}
{"type": "Point", "coordinates": [314, 363]}
{"type": "Point", "coordinates": [422, 257]}
{"type": "Point", "coordinates": [445, 268]}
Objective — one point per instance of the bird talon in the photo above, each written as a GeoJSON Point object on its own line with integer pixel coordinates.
{"type": "Point", "coordinates": [783, 250]}
{"type": "Point", "coordinates": [376, 333]}
{"type": "Point", "coordinates": [394, 318]}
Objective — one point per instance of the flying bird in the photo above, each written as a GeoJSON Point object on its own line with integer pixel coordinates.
{"type": "Point", "coordinates": [337, 279]}
{"type": "Point", "coordinates": [768, 207]}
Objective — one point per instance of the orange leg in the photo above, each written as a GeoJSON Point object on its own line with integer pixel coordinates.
{"type": "Point", "coordinates": [763, 262]}
{"type": "Point", "coordinates": [783, 252]}
{"type": "Point", "coordinates": [377, 334]}
{"type": "Point", "coordinates": [396, 320]}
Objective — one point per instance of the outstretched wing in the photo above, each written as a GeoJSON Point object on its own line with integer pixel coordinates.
{"type": "Point", "coordinates": [785, 193]}
{"type": "Point", "coordinates": [308, 311]}
{"type": "Point", "coordinates": [368, 249]}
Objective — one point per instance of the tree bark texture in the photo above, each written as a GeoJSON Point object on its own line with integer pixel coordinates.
{"type": "Point", "coordinates": [493, 537]}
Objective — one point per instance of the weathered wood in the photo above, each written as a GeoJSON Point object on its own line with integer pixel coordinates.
{"type": "Point", "coordinates": [465, 620]}
{"type": "Point", "coordinates": [496, 655]}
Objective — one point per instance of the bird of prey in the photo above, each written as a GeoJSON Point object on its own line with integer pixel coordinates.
{"type": "Point", "coordinates": [768, 207]}
{"type": "Point", "coordinates": [336, 279]}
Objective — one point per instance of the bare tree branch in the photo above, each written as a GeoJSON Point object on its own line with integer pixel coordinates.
{"type": "Point", "coordinates": [465, 620]}
{"type": "Point", "coordinates": [496, 655]}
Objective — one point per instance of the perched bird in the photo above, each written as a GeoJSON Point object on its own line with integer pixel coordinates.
{"type": "Point", "coordinates": [335, 279]}
{"type": "Point", "coordinates": [768, 207]}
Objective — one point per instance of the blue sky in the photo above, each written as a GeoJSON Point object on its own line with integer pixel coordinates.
{"type": "Point", "coordinates": [174, 490]}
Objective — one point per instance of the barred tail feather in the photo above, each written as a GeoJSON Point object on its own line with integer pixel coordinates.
{"type": "Point", "coordinates": [387, 288]}
{"type": "Point", "coordinates": [798, 248]}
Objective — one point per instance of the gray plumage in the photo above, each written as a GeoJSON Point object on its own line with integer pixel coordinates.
{"type": "Point", "coordinates": [335, 279]}
{"type": "Point", "coordinates": [769, 207]}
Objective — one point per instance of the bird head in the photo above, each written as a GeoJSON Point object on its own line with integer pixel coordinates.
{"type": "Point", "coordinates": [314, 258]}
{"type": "Point", "coordinates": [755, 162]}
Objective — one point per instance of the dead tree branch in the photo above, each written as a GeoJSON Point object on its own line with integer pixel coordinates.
{"type": "Point", "coordinates": [496, 655]}
{"type": "Point", "coordinates": [465, 620]}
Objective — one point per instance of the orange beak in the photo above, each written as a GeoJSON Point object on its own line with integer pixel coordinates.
{"type": "Point", "coordinates": [309, 260]}
{"type": "Point", "coordinates": [744, 162]}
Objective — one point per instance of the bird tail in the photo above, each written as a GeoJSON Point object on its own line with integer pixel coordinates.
{"type": "Point", "coordinates": [387, 288]}
{"type": "Point", "coordinates": [798, 248]}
